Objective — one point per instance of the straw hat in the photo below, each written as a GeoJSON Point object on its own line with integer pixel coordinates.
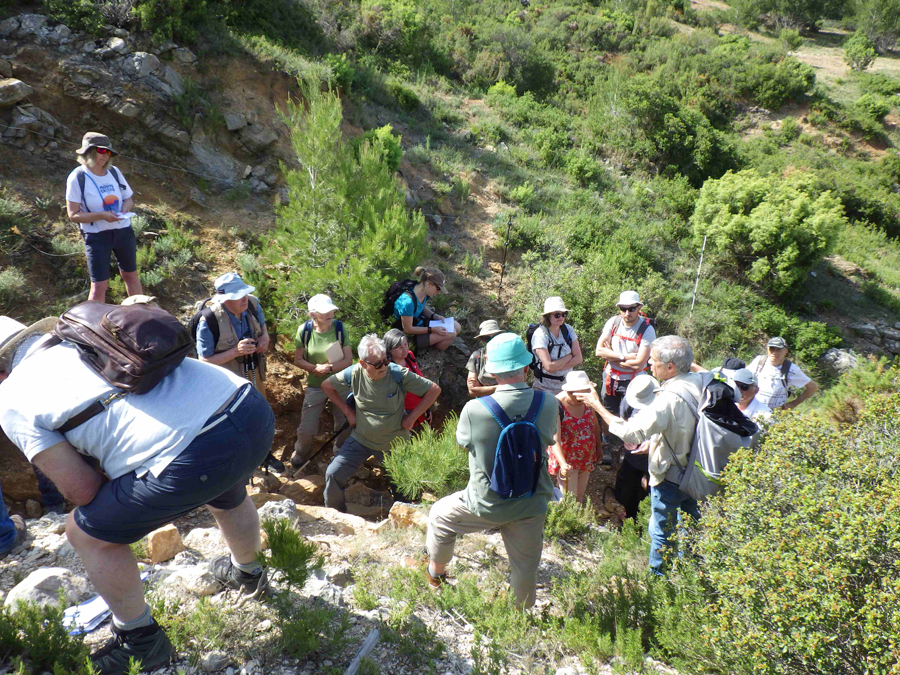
{"type": "Point", "coordinates": [488, 328]}
{"type": "Point", "coordinates": [13, 333]}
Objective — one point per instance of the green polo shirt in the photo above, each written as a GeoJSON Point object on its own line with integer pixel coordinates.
{"type": "Point", "coordinates": [478, 432]}
{"type": "Point", "coordinates": [379, 403]}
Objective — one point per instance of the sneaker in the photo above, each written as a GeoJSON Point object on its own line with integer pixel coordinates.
{"type": "Point", "coordinates": [433, 581]}
{"type": "Point", "coordinates": [298, 459]}
{"type": "Point", "coordinates": [230, 576]}
{"type": "Point", "coordinates": [149, 645]}
{"type": "Point", "coordinates": [21, 532]}
{"type": "Point", "coordinates": [271, 462]}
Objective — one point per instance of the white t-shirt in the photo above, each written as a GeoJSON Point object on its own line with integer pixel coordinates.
{"type": "Point", "coordinates": [771, 388]}
{"type": "Point", "coordinates": [136, 433]}
{"type": "Point", "coordinates": [557, 347]}
{"type": "Point", "coordinates": [626, 347]}
{"type": "Point", "coordinates": [757, 411]}
{"type": "Point", "coordinates": [101, 193]}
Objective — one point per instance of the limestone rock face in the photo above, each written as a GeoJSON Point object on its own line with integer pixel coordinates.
{"type": "Point", "coordinates": [42, 587]}
{"type": "Point", "coordinates": [407, 515]}
{"type": "Point", "coordinates": [305, 490]}
{"type": "Point", "coordinates": [12, 91]}
{"type": "Point", "coordinates": [165, 543]}
{"type": "Point", "coordinates": [840, 360]}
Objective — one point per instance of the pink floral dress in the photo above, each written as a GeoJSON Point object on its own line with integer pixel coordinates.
{"type": "Point", "coordinates": [577, 441]}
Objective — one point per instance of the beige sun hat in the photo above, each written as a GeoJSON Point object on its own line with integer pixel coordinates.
{"type": "Point", "coordinates": [577, 380]}
{"type": "Point", "coordinates": [641, 391]}
{"type": "Point", "coordinates": [554, 304]}
{"type": "Point", "coordinates": [92, 139]}
{"type": "Point", "coordinates": [488, 328]}
{"type": "Point", "coordinates": [629, 298]}
{"type": "Point", "coordinates": [13, 333]}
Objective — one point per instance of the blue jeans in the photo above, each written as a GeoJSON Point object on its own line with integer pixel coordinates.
{"type": "Point", "coordinates": [665, 501]}
{"type": "Point", "coordinates": [345, 463]}
{"type": "Point", "coordinates": [7, 529]}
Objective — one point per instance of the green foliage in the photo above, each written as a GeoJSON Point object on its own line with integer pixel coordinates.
{"type": "Point", "coordinates": [524, 196]}
{"type": "Point", "coordinates": [37, 637]}
{"type": "Point", "coordinates": [880, 21]}
{"type": "Point", "coordinates": [429, 461]}
{"type": "Point", "coordinates": [870, 248]}
{"type": "Point", "coordinates": [14, 213]}
{"type": "Point", "coordinates": [773, 229]}
{"type": "Point", "coordinates": [193, 630]}
{"type": "Point", "coordinates": [192, 101]}
{"type": "Point", "coordinates": [180, 20]}
{"type": "Point", "coordinates": [346, 231]}
{"type": "Point", "coordinates": [790, 40]}
{"type": "Point", "coordinates": [384, 140]}
{"type": "Point", "coordinates": [342, 71]}
{"type": "Point", "coordinates": [405, 96]}
{"type": "Point", "coordinates": [289, 553]}
{"type": "Point", "coordinates": [76, 14]}
{"type": "Point", "coordinates": [567, 519]}
{"type": "Point", "coordinates": [873, 106]}
{"type": "Point", "coordinates": [790, 13]}
{"type": "Point", "coordinates": [859, 51]}
{"type": "Point", "coordinates": [317, 629]}
{"type": "Point", "coordinates": [832, 596]}
{"type": "Point", "coordinates": [285, 22]}
{"type": "Point", "coordinates": [14, 287]}
{"type": "Point", "coordinates": [877, 84]}
{"type": "Point", "coordinates": [396, 30]}
{"type": "Point", "coordinates": [843, 403]}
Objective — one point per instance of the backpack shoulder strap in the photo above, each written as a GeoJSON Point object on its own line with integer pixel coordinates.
{"type": "Point", "coordinates": [339, 332]}
{"type": "Point", "coordinates": [761, 364]}
{"type": "Point", "coordinates": [785, 370]}
{"type": "Point", "coordinates": [348, 374]}
{"type": "Point", "coordinates": [537, 403]}
{"type": "Point", "coordinates": [306, 333]}
{"type": "Point", "coordinates": [118, 177]}
{"type": "Point", "coordinates": [645, 324]}
{"type": "Point", "coordinates": [80, 177]}
{"type": "Point", "coordinates": [396, 373]}
{"type": "Point", "coordinates": [496, 411]}
{"type": "Point", "coordinates": [567, 336]}
{"type": "Point", "coordinates": [211, 322]}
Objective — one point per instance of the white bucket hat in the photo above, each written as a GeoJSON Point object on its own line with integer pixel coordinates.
{"type": "Point", "coordinates": [641, 391]}
{"type": "Point", "coordinates": [577, 380]}
{"type": "Point", "coordinates": [554, 304]}
{"type": "Point", "coordinates": [321, 304]}
{"type": "Point", "coordinates": [230, 286]}
{"type": "Point", "coordinates": [629, 298]}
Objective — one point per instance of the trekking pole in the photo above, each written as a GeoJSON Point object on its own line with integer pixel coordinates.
{"type": "Point", "coordinates": [505, 250]}
{"type": "Point", "coordinates": [697, 282]}
{"type": "Point", "coordinates": [322, 447]}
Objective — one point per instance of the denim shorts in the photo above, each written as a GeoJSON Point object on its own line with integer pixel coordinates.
{"type": "Point", "coordinates": [99, 245]}
{"type": "Point", "coordinates": [213, 469]}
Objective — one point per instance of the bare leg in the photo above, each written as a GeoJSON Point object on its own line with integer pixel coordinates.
{"type": "Point", "coordinates": [132, 282]}
{"type": "Point", "coordinates": [112, 570]}
{"type": "Point", "coordinates": [583, 478]}
{"type": "Point", "coordinates": [442, 343]}
{"type": "Point", "coordinates": [98, 291]}
{"type": "Point", "coordinates": [240, 529]}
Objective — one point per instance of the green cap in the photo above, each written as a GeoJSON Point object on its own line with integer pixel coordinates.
{"type": "Point", "coordinates": [506, 352]}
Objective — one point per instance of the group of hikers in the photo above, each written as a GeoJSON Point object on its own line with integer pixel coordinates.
{"type": "Point", "coordinates": [104, 405]}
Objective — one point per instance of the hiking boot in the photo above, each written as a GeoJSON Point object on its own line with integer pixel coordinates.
{"type": "Point", "coordinates": [607, 455]}
{"type": "Point", "coordinates": [230, 576]}
{"type": "Point", "coordinates": [298, 459]}
{"type": "Point", "coordinates": [433, 581]}
{"type": "Point", "coordinates": [21, 533]}
{"type": "Point", "coordinates": [271, 462]}
{"type": "Point", "coordinates": [149, 645]}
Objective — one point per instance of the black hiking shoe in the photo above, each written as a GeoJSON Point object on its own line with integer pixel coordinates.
{"type": "Point", "coordinates": [230, 576]}
{"type": "Point", "coordinates": [271, 462]}
{"type": "Point", "coordinates": [149, 645]}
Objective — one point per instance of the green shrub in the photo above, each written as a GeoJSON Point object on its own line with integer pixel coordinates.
{"type": "Point", "coordinates": [772, 228]}
{"type": "Point", "coordinates": [877, 84]}
{"type": "Point", "coordinates": [524, 196]}
{"type": "Point", "coordinates": [800, 554]}
{"type": "Point", "coordinates": [15, 214]}
{"type": "Point", "coordinates": [76, 14]}
{"type": "Point", "coordinates": [406, 98]}
{"type": "Point", "coordinates": [286, 22]}
{"type": "Point", "coordinates": [567, 519]}
{"type": "Point", "coordinates": [13, 287]}
{"type": "Point", "coordinates": [859, 52]}
{"type": "Point", "coordinates": [37, 636]}
{"type": "Point", "coordinates": [396, 30]}
{"type": "Point", "coordinates": [430, 461]}
{"type": "Point", "coordinates": [387, 145]}
{"type": "Point", "coordinates": [179, 20]}
{"type": "Point", "coordinates": [843, 403]}
{"type": "Point", "coordinates": [790, 39]}
{"type": "Point", "coordinates": [872, 249]}
{"type": "Point", "coordinates": [875, 107]}
{"type": "Point", "coordinates": [342, 71]}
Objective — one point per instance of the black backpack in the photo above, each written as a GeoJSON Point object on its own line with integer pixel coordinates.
{"type": "Point", "coordinates": [81, 178]}
{"type": "Point", "coordinates": [535, 361]}
{"type": "Point", "coordinates": [397, 289]}
{"type": "Point", "coordinates": [202, 310]}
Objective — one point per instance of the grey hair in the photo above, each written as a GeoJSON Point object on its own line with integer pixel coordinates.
{"type": "Point", "coordinates": [89, 158]}
{"type": "Point", "coordinates": [371, 345]}
{"type": "Point", "coordinates": [393, 339]}
{"type": "Point", "coordinates": [676, 350]}
{"type": "Point", "coordinates": [508, 375]}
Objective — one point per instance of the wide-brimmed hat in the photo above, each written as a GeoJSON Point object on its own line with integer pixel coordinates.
{"type": "Point", "coordinates": [488, 328]}
{"type": "Point", "coordinates": [321, 304]}
{"type": "Point", "coordinates": [554, 304]}
{"type": "Point", "coordinates": [506, 352]}
{"type": "Point", "coordinates": [92, 139]}
{"type": "Point", "coordinates": [140, 299]}
{"type": "Point", "coordinates": [577, 380]}
{"type": "Point", "coordinates": [777, 342]}
{"type": "Point", "coordinates": [641, 391]}
{"type": "Point", "coordinates": [13, 333]}
{"type": "Point", "coordinates": [230, 286]}
{"type": "Point", "coordinates": [629, 298]}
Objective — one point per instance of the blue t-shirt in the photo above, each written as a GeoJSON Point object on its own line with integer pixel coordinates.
{"type": "Point", "coordinates": [408, 305]}
{"type": "Point", "coordinates": [206, 345]}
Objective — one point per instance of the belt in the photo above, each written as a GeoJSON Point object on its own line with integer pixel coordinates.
{"type": "Point", "coordinates": [236, 399]}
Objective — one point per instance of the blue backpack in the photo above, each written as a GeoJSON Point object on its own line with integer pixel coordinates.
{"type": "Point", "coordinates": [520, 452]}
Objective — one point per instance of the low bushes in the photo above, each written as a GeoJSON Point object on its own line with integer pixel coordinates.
{"type": "Point", "coordinates": [430, 461]}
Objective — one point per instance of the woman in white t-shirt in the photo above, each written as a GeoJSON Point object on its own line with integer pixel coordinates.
{"type": "Point", "coordinates": [99, 199]}
{"type": "Point", "coordinates": [775, 380]}
{"type": "Point", "coordinates": [556, 347]}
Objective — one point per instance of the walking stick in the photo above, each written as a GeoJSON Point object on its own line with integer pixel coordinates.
{"type": "Point", "coordinates": [322, 447]}
{"type": "Point", "coordinates": [697, 283]}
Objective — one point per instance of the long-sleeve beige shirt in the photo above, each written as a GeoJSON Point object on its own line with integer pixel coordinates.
{"type": "Point", "coordinates": [669, 416]}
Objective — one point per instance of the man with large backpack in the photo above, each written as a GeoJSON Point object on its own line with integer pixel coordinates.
{"type": "Point", "coordinates": [671, 415]}
{"type": "Point", "coordinates": [507, 435]}
{"type": "Point", "coordinates": [171, 434]}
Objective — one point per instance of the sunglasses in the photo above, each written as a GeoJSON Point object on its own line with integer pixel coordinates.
{"type": "Point", "coordinates": [559, 315]}
{"type": "Point", "coordinates": [742, 386]}
{"type": "Point", "coordinates": [380, 364]}
{"type": "Point", "coordinates": [437, 286]}
{"type": "Point", "coordinates": [103, 151]}
{"type": "Point", "coordinates": [633, 308]}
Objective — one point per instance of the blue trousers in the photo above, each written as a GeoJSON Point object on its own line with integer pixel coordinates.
{"type": "Point", "coordinates": [345, 463]}
{"type": "Point", "coordinates": [667, 502]}
{"type": "Point", "coordinates": [7, 529]}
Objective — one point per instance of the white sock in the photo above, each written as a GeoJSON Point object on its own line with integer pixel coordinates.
{"type": "Point", "coordinates": [144, 619]}
{"type": "Point", "coordinates": [248, 568]}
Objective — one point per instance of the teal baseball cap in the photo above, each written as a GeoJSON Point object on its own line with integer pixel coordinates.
{"type": "Point", "coordinates": [506, 352]}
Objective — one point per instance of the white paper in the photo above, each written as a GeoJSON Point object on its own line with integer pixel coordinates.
{"type": "Point", "coordinates": [335, 352]}
{"type": "Point", "coordinates": [87, 616]}
{"type": "Point", "coordinates": [123, 216]}
{"type": "Point", "coordinates": [447, 323]}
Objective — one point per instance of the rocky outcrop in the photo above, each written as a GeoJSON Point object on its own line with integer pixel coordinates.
{"type": "Point", "coordinates": [879, 332]}
{"type": "Point", "coordinates": [42, 587]}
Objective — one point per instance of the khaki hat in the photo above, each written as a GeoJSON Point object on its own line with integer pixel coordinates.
{"type": "Point", "coordinates": [641, 391]}
{"type": "Point", "coordinates": [488, 328]}
{"type": "Point", "coordinates": [92, 139]}
{"type": "Point", "coordinates": [13, 333]}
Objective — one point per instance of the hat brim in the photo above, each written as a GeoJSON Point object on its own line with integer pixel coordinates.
{"type": "Point", "coordinates": [45, 325]}
{"type": "Point", "coordinates": [234, 295]}
{"type": "Point", "coordinates": [507, 366]}
{"type": "Point", "coordinates": [587, 387]}
{"type": "Point", "coordinates": [81, 151]}
{"type": "Point", "coordinates": [491, 334]}
{"type": "Point", "coordinates": [641, 402]}
{"type": "Point", "coordinates": [323, 310]}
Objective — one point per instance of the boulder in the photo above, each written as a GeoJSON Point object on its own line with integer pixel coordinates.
{"type": "Point", "coordinates": [839, 361]}
{"type": "Point", "coordinates": [342, 523]}
{"type": "Point", "coordinates": [407, 515]}
{"type": "Point", "coordinates": [257, 138]}
{"type": "Point", "coordinates": [890, 334]}
{"type": "Point", "coordinates": [42, 588]}
{"type": "Point", "coordinates": [59, 34]}
{"type": "Point", "coordinates": [9, 27]}
{"type": "Point", "coordinates": [235, 121]}
{"type": "Point", "coordinates": [12, 91]}
{"type": "Point", "coordinates": [31, 24]}
{"type": "Point", "coordinates": [869, 330]}
{"type": "Point", "coordinates": [196, 581]}
{"type": "Point", "coordinates": [183, 55]}
{"type": "Point", "coordinates": [33, 508]}
{"type": "Point", "coordinates": [164, 544]}
{"type": "Point", "coordinates": [892, 346]}
{"type": "Point", "coordinates": [306, 490]}
{"type": "Point", "coordinates": [205, 540]}
{"type": "Point", "coordinates": [117, 44]}
{"type": "Point", "coordinates": [140, 64]}
{"type": "Point", "coordinates": [897, 326]}
{"type": "Point", "coordinates": [265, 497]}
{"type": "Point", "coordinates": [214, 661]}
{"type": "Point", "coordinates": [128, 109]}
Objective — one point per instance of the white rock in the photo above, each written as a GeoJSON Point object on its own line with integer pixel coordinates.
{"type": "Point", "coordinates": [141, 64]}
{"type": "Point", "coordinates": [60, 33]}
{"type": "Point", "coordinates": [117, 44]}
{"type": "Point", "coordinates": [284, 508]}
{"type": "Point", "coordinates": [31, 24]}
{"type": "Point", "coordinates": [207, 541]}
{"type": "Point", "coordinates": [194, 580]}
{"type": "Point", "coordinates": [12, 91]}
{"type": "Point", "coordinates": [43, 585]}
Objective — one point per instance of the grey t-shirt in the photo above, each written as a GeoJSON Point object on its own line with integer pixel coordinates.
{"type": "Point", "coordinates": [136, 433]}
{"type": "Point", "coordinates": [476, 364]}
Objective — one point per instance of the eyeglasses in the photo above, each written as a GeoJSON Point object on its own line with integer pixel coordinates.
{"type": "Point", "coordinates": [742, 386]}
{"type": "Point", "coordinates": [633, 308]}
{"type": "Point", "coordinates": [103, 151]}
{"type": "Point", "coordinates": [559, 315]}
{"type": "Point", "coordinates": [380, 364]}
